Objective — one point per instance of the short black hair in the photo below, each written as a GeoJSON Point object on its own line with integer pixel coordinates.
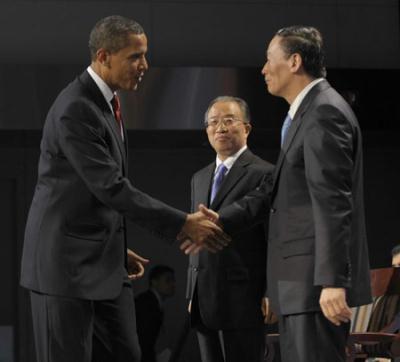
{"type": "Point", "coordinates": [111, 33]}
{"type": "Point", "coordinates": [159, 270]}
{"type": "Point", "coordinates": [306, 41]}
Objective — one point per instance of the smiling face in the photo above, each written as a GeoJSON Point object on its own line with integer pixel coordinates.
{"type": "Point", "coordinates": [229, 134]}
{"type": "Point", "coordinates": [124, 68]}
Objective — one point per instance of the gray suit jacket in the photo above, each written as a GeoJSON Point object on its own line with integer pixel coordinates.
{"type": "Point", "coordinates": [75, 243]}
{"type": "Point", "coordinates": [317, 233]}
{"type": "Point", "coordinates": [230, 284]}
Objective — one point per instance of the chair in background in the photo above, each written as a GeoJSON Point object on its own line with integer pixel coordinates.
{"type": "Point", "coordinates": [375, 327]}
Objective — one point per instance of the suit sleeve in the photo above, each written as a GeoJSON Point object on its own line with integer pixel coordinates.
{"type": "Point", "coordinates": [328, 157]}
{"type": "Point", "coordinates": [190, 271]}
{"type": "Point", "coordinates": [252, 209]}
{"type": "Point", "coordinates": [80, 138]}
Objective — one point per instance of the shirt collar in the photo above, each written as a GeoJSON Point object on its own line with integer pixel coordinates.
{"type": "Point", "coordinates": [104, 88]}
{"type": "Point", "coordinates": [230, 160]}
{"type": "Point", "coordinates": [297, 101]}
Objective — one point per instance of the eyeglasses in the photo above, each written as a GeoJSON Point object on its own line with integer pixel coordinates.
{"type": "Point", "coordinates": [225, 121]}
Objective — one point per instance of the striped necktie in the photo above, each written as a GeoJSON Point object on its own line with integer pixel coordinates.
{"type": "Point", "coordinates": [218, 178]}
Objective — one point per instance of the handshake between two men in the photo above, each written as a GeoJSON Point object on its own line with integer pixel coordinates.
{"type": "Point", "coordinates": [202, 231]}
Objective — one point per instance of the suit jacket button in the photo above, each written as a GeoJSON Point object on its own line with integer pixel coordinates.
{"type": "Point", "coordinates": [272, 211]}
{"type": "Point", "coordinates": [195, 269]}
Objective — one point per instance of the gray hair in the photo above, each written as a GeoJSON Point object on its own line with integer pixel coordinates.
{"type": "Point", "coordinates": [239, 101]}
{"type": "Point", "coordinates": [111, 33]}
{"type": "Point", "coordinates": [306, 41]}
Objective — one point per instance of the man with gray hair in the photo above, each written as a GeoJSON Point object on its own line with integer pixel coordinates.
{"type": "Point", "coordinates": [226, 288]}
{"type": "Point", "coordinates": [317, 249]}
{"type": "Point", "coordinates": [75, 259]}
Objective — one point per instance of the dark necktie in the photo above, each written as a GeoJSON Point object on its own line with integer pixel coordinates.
{"type": "Point", "coordinates": [218, 178]}
{"type": "Point", "coordinates": [116, 105]}
{"type": "Point", "coordinates": [286, 124]}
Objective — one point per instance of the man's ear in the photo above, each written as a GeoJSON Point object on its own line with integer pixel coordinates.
{"type": "Point", "coordinates": [248, 127]}
{"type": "Point", "coordinates": [295, 62]}
{"type": "Point", "coordinates": [103, 57]}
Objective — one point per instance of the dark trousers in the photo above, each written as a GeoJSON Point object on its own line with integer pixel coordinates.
{"type": "Point", "coordinates": [237, 345]}
{"type": "Point", "coordinates": [78, 330]}
{"type": "Point", "coordinates": [310, 337]}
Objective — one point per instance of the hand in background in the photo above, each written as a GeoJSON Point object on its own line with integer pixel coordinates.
{"type": "Point", "coordinates": [269, 316]}
{"type": "Point", "coordinates": [136, 265]}
{"type": "Point", "coordinates": [200, 232]}
{"type": "Point", "coordinates": [334, 306]}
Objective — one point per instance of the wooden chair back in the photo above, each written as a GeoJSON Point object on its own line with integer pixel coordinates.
{"type": "Point", "coordinates": [385, 281]}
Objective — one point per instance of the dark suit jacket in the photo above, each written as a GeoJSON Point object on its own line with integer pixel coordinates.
{"type": "Point", "coordinates": [317, 231]}
{"type": "Point", "coordinates": [231, 283]}
{"type": "Point", "coordinates": [149, 318]}
{"type": "Point", "coordinates": [75, 234]}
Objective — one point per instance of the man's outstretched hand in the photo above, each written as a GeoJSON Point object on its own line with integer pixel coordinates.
{"type": "Point", "coordinates": [201, 232]}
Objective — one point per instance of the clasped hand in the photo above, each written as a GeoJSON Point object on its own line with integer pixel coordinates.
{"type": "Point", "coordinates": [201, 231]}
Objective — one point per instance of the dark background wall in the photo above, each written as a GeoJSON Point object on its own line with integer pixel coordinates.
{"type": "Point", "coordinates": [358, 33]}
{"type": "Point", "coordinates": [43, 46]}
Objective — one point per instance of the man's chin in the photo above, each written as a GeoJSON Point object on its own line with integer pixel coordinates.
{"type": "Point", "coordinates": [130, 87]}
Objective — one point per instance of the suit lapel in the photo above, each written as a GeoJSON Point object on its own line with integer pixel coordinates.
{"type": "Point", "coordinates": [203, 186]}
{"type": "Point", "coordinates": [288, 140]}
{"type": "Point", "coordinates": [291, 133]}
{"type": "Point", "coordinates": [237, 171]}
{"type": "Point", "coordinates": [98, 98]}
{"type": "Point", "coordinates": [126, 147]}
{"type": "Point", "coordinates": [116, 131]}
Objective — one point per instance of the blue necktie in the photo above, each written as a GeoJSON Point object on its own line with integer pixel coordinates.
{"type": "Point", "coordinates": [218, 177]}
{"type": "Point", "coordinates": [285, 127]}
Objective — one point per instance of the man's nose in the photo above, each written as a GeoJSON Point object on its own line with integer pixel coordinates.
{"type": "Point", "coordinates": [221, 127]}
{"type": "Point", "coordinates": [264, 69]}
{"type": "Point", "coordinates": [143, 65]}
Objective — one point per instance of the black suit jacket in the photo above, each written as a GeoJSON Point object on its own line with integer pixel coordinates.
{"type": "Point", "coordinates": [317, 233]}
{"type": "Point", "coordinates": [75, 234]}
{"type": "Point", "coordinates": [149, 318]}
{"type": "Point", "coordinates": [231, 283]}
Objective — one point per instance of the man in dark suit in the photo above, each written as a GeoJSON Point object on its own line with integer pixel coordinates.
{"type": "Point", "coordinates": [317, 250]}
{"type": "Point", "coordinates": [226, 288]}
{"type": "Point", "coordinates": [75, 256]}
{"type": "Point", "coordinates": [149, 309]}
